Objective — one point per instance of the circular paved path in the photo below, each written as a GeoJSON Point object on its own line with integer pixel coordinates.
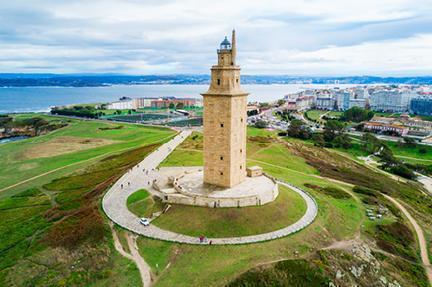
{"type": "Point", "coordinates": [115, 207]}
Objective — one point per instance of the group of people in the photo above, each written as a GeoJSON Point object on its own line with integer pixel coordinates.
{"type": "Point", "coordinates": [204, 239]}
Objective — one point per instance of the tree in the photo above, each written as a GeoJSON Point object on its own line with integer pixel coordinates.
{"type": "Point", "coordinates": [370, 143]}
{"type": "Point", "coordinates": [422, 150]}
{"type": "Point", "coordinates": [332, 128]}
{"type": "Point", "coordinates": [261, 124]}
{"type": "Point", "coordinates": [318, 139]}
{"type": "Point", "coordinates": [298, 129]}
{"type": "Point", "coordinates": [264, 105]}
{"type": "Point", "coordinates": [180, 106]}
{"type": "Point", "coordinates": [280, 102]}
{"type": "Point", "coordinates": [402, 170]}
{"type": "Point", "coordinates": [171, 106]}
{"type": "Point", "coordinates": [409, 142]}
{"type": "Point", "coordinates": [357, 114]}
{"type": "Point", "coordinates": [342, 140]}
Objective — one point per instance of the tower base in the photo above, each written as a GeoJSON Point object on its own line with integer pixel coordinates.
{"type": "Point", "coordinates": [184, 185]}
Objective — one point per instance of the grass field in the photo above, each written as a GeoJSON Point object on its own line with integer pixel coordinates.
{"type": "Point", "coordinates": [408, 154]}
{"type": "Point", "coordinates": [337, 219]}
{"type": "Point", "coordinates": [79, 141]}
{"type": "Point", "coordinates": [52, 232]}
{"type": "Point", "coordinates": [340, 216]}
{"type": "Point", "coordinates": [314, 115]}
{"type": "Point", "coordinates": [54, 222]}
{"type": "Point", "coordinates": [228, 222]}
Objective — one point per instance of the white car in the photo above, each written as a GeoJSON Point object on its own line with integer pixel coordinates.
{"type": "Point", "coordinates": [145, 221]}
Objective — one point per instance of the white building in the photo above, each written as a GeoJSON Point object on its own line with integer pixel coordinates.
{"type": "Point", "coordinates": [122, 105]}
{"type": "Point", "coordinates": [342, 100]}
{"type": "Point", "coordinates": [326, 102]}
{"type": "Point", "coordinates": [391, 100]}
{"type": "Point", "coordinates": [361, 103]}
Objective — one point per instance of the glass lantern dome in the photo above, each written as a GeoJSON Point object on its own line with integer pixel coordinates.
{"type": "Point", "coordinates": [225, 45]}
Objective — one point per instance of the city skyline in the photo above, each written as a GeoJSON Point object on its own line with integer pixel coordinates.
{"type": "Point", "coordinates": [306, 38]}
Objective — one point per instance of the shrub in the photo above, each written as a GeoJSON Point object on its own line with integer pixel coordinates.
{"type": "Point", "coordinates": [365, 191]}
{"type": "Point", "coordinates": [335, 192]}
{"type": "Point", "coordinates": [261, 124]}
{"type": "Point", "coordinates": [396, 238]}
{"type": "Point", "coordinates": [284, 273]}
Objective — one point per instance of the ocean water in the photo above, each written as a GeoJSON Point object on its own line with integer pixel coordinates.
{"type": "Point", "coordinates": [40, 99]}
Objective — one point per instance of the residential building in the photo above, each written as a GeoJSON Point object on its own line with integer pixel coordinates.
{"type": "Point", "coordinates": [391, 100]}
{"type": "Point", "coordinates": [325, 102]}
{"type": "Point", "coordinates": [421, 106]}
{"type": "Point", "coordinates": [381, 127]}
{"type": "Point", "coordinates": [342, 98]}
{"type": "Point", "coordinates": [300, 104]}
{"type": "Point", "coordinates": [359, 102]}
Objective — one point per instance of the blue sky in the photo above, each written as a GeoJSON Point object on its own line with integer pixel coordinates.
{"type": "Point", "coordinates": [295, 37]}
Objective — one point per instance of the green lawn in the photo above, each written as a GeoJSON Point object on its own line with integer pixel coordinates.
{"type": "Point", "coordinates": [314, 115]}
{"type": "Point", "coordinates": [142, 204]}
{"type": "Point", "coordinates": [78, 142]}
{"type": "Point", "coordinates": [408, 154]}
{"type": "Point", "coordinates": [52, 232]}
{"type": "Point", "coordinates": [337, 219]}
{"type": "Point", "coordinates": [57, 222]}
{"type": "Point", "coordinates": [229, 222]}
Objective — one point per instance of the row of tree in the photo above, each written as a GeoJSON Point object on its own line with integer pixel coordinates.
{"type": "Point", "coordinates": [334, 135]}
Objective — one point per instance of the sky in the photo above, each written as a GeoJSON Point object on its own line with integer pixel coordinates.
{"type": "Point", "coordinates": [289, 37]}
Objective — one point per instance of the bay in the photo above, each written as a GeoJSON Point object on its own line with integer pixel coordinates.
{"type": "Point", "coordinates": [40, 99]}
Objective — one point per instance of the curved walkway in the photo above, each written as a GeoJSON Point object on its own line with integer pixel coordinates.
{"type": "Point", "coordinates": [114, 203]}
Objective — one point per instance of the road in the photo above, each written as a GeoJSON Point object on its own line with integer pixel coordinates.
{"type": "Point", "coordinates": [114, 203]}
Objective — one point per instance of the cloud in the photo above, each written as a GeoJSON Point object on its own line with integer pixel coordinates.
{"type": "Point", "coordinates": [329, 37]}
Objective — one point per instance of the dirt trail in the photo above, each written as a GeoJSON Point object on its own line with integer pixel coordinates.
{"type": "Point", "coordinates": [142, 266]}
{"type": "Point", "coordinates": [420, 236]}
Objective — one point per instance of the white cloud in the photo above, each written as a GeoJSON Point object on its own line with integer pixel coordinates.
{"type": "Point", "coordinates": [329, 37]}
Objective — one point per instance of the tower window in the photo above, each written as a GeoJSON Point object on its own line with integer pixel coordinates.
{"type": "Point", "coordinates": [240, 167]}
{"type": "Point", "coordinates": [218, 82]}
{"type": "Point", "coordinates": [221, 173]}
{"type": "Point", "coordinates": [241, 151]}
{"type": "Point", "coordinates": [221, 125]}
{"type": "Point", "coordinates": [241, 120]}
{"type": "Point", "coordinates": [221, 158]}
{"type": "Point", "coordinates": [237, 80]}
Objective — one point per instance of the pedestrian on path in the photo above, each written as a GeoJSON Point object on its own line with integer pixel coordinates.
{"type": "Point", "coordinates": [128, 182]}
{"type": "Point", "coordinates": [121, 186]}
{"type": "Point", "coordinates": [210, 243]}
{"type": "Point", "coordinates": [201, 239]}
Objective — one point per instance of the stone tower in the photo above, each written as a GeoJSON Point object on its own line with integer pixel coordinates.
{"type": "Point", "coordinates": [225, 121]}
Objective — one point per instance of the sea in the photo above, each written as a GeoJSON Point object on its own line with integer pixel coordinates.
{"type": "Point", "coordinates": [40, 99]}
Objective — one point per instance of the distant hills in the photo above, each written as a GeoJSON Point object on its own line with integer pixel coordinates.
{"type": "Point", "coordinates": [97, 80]}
